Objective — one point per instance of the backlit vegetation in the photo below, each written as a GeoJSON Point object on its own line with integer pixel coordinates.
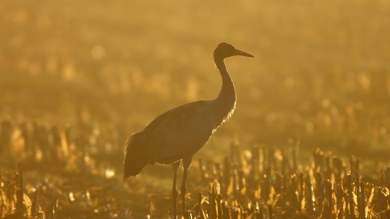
{"type": "Point", "coordinates": [77, 77]}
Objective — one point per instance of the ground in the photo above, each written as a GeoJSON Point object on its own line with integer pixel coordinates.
{"type": "Point", "coordinates": [98, 71]}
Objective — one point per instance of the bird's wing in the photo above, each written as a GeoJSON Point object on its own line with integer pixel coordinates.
{"type": "Point", "coordinates": [179, 132]}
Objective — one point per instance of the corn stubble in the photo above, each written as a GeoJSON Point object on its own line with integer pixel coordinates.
{"type": "Point", "coordinates": [259, 183]}
{"type": "Point", "coordinates": [279, 187]}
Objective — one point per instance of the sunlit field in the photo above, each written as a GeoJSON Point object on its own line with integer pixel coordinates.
{"type": "Point", "coordinates": [310, 136]}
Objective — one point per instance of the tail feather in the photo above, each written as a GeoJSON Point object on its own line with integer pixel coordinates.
{"type": "Point", "coordinates": [135, 155]}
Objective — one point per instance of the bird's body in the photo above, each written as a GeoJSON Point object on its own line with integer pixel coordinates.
{"type": "Point", "coordinates": [190, 127]}
{"type": "Point", "coordinates": [180, 132]}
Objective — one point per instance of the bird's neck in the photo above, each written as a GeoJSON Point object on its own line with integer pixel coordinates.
{"type": "Point", "coordinates": [226, 100]}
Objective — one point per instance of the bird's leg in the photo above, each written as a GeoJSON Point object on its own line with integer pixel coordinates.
{"type": "Point", "coordinates": [186, 165]}
{"type": "Point", "coordinates": [175, 167]}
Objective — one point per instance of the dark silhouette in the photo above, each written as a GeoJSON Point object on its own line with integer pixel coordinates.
{"type": "Point", "coordinates": [179, 133]}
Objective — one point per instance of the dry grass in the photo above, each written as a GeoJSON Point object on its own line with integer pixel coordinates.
{"type": "Point", "coordinates": [105, 69]}
{"type": "Point", "coordinates": [255, 183]}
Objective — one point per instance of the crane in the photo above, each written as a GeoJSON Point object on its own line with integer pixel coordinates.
{"type": "Point", "coordinates": [176, 135]}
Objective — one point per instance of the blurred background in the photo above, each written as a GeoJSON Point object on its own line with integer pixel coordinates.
{"type": "Point", "coordinates": [320, 76]}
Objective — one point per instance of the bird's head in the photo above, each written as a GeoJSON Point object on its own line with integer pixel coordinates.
{"type": "Point", "coordinates": [225, 50]}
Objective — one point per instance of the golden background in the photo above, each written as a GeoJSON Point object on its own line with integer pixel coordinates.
{"type": "Point", "coordinates": [320, 76]}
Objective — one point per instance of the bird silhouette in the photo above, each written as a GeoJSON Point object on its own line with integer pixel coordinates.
{"type": "Point", "coordinates": [179, 133]}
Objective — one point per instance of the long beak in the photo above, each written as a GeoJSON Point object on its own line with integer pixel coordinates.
{"type": "Point", "coordinates": [241, 53]}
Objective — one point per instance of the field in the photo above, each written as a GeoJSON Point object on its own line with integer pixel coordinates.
{"type": "Point", "coordinates": [78, 77]}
